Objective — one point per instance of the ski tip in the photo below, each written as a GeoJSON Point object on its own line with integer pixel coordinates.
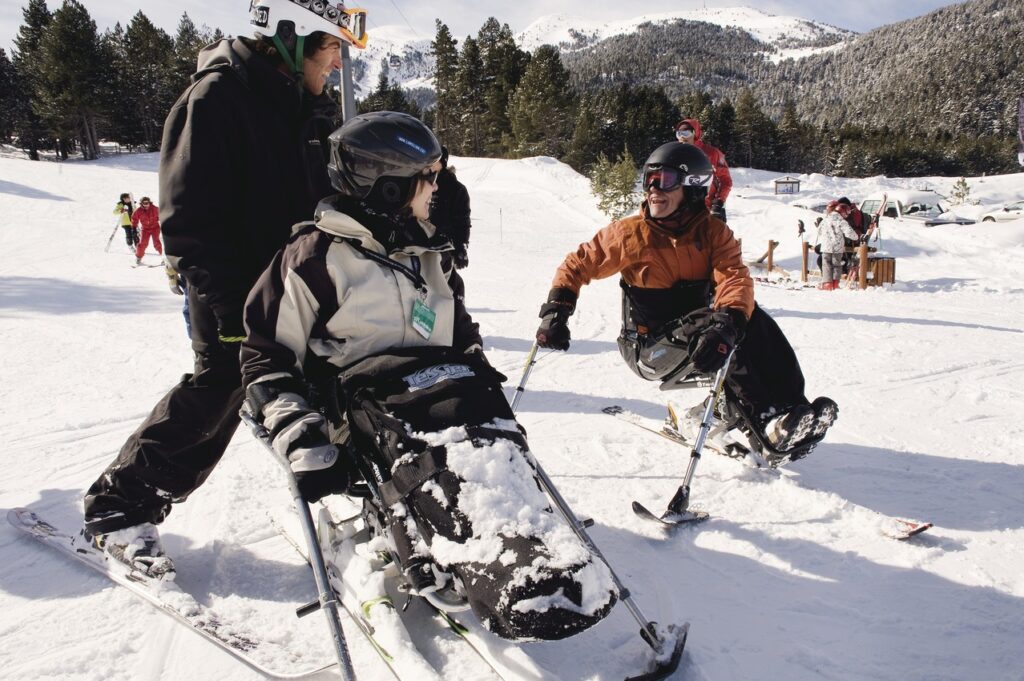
{"type": "Point", "coordinates": [668, 519]}
{"type": "Point", "coordinates": [673, 641]}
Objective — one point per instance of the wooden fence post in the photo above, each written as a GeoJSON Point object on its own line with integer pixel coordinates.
{"type": "Point", "coordinates": [862, 254]}
{"type": "Point", "coordinates": [803, 260]}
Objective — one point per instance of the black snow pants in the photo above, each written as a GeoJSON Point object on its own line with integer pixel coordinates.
{"type": "Point", "coordinates": [131, 236]}
{"type": "Point", "coordinates": [765, 373]}
{"type": "Point", "coordinates": [176, 448]}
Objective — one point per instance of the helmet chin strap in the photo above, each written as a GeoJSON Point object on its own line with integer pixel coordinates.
{"type": "Point", "coordinates": [294, 64]}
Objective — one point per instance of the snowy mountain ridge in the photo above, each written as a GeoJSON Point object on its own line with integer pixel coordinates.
{"type": "Point", "coordinates": [785, 33]}
{"type": "Point", "coordinates": [784, 36]}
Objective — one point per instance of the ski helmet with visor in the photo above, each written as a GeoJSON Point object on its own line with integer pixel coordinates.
{"type": "Point", "coordinates": [378, 158]}
{"type": "Point", "coordinates": [674, 165]}
{"type": "Point", "coordinates": [288, 22]}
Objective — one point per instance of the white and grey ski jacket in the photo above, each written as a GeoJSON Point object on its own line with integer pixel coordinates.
{"type": "Point", "coordinates": [335, 294]}
{"type": "Point", "coordinates": [831, 231]}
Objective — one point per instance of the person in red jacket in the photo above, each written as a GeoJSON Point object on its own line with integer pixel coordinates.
{"type": "Point", "coordinates": [149, 216]}
{"type": "Point", "coordinates": [688, 132]}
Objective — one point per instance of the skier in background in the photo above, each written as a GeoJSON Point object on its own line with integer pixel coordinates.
{"type": "Point", "coordinates": [688, 131]}
{"type": "Point", "coordinates": [147, 215]}
{"type": "Point", "coordinates": [252, 125]}
{"type": "Point", "coordinates": [124, 208]}
{"type": "Point", "coordinates": [832, 231]}
{"type": "Point", "coordinates": [449, 210]}
{"type": "Point", "coordinates": [671, 257]}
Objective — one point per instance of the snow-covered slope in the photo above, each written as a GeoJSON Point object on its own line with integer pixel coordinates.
{"type": "Point", "coordinates": [783, 32]}
{"type": "Point", "coordinates": [790, 579]}
{"type": "Point", "coordinates": [407, 54]}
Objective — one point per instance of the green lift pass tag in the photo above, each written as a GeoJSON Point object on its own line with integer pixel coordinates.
{"type": "Point", "coordinates": [423, 319]}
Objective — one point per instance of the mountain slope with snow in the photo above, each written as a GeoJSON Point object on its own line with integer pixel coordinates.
{"type": "Point", "coordinates": [789, 579]}
{"type": "Point", "coordinates": [784, 33]}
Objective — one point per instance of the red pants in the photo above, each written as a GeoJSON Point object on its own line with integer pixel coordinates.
{"type": "Point", "coordinates": [153, 233]}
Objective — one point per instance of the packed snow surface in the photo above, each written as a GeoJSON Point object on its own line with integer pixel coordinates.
{"type": "Point", "coordinates": [791, 577]}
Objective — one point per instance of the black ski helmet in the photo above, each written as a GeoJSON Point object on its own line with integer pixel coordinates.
{"type": "Point", "coordinates": [376, 157]}
{"type": "Point", "coordinates": [690, 161]}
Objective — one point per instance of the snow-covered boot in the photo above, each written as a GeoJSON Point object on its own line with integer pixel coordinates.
{"type": "Point", "coordinates": [788, 429]}
{"type": "Point", "coordinates": [825, 413]}
{"type": "Point", "coordinates": [803, 423]}
{"type": "Point", "coordinates": [139, 548]}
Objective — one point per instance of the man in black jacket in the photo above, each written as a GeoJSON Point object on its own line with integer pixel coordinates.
{"type": "Point", "coordinates": [449, 210]}
{"type": "Point", "coordinates": [244, 157]}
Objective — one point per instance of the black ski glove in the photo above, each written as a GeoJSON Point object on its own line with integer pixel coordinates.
{"type": "Point", "coordinates": [461, 257]}
{"type": "Point", "coordinates": [718, 209]}
{"type": "Point", "coordinates": [553, 332]}
{"type": "Point", "coordinates": [722, 330]}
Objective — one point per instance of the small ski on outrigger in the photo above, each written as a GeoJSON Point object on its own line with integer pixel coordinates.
{"type": "Point", "coordinates": [678, 513]}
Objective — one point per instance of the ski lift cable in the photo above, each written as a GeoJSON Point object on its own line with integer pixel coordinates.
{"type": "Point", "coordinates": [397, 9]}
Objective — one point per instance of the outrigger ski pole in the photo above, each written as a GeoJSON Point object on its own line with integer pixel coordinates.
{"type": "Point", "coordinates": [669, 643]}
{"type": "Point", "coordinates": [678, 511]}
{"type": "Point", "coordinates": [327, 599]}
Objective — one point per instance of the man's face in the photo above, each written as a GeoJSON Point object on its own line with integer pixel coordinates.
{"type": "Point", "coordinates": [317, 67]}
{"type": "Point", "coordinates": [684, 134]}
{"type": "Point", "coordinates": [661, 203]}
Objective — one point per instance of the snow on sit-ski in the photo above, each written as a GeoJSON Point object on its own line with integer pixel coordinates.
{"type": "Point", "coordinates": [792, 577]}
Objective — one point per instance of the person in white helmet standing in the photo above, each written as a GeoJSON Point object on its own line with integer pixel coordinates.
{"type": "Point", "coordinates": [244, 157]}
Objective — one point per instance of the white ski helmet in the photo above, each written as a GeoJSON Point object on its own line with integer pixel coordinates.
{"type": "Point", "coordinates": [308, 16]}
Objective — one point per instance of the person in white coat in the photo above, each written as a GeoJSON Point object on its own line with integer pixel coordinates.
{"type": "Point", "coordinates": [831, 231]}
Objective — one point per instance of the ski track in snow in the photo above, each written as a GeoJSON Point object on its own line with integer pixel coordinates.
{"type": "Point", "coordinates": [790, 578]}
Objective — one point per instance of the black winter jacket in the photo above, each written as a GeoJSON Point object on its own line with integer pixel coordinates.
{"type": "Point", "coordinates": [244, 158]}
{"type": "Point", "coordinates": [449, 209]}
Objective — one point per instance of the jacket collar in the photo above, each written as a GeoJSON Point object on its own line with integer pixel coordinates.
{"type": "Point", "coordinates": [679, 223]}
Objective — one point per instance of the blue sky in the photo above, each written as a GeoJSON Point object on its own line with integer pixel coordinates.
{"type": "Point", "coordinates": [465, 17]}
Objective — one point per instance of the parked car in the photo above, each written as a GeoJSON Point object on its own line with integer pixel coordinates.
{"type": "Point", "coordinates": [1010, 211]}
{"type": "Point", "coordinates": [816, 205]}
{"type": "Point", "coordinates": [913, 208]}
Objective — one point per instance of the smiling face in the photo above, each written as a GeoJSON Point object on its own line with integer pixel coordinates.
{"type": "Point", "coordinates": [319, 65]}
{"type": "Point", "coordinates": [661, 204]}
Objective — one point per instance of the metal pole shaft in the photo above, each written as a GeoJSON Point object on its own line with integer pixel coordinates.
{"type": "Point", "coordinates": [705, 423]}
{"type": "Point", "coordinates": [325, 593]}
{"type": "Point", "coordinates": [577, 527]}
{"type": "Point", "coordinates": [530, 361]}
{"type": "Point", "coordinates": [348, 96]}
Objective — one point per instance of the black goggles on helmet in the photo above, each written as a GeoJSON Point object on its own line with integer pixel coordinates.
{"type": "Point", "coordinates": [666, 179]}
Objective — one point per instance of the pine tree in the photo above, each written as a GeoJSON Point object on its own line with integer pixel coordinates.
{"type": "Point", "coordinates": [961, 192]}
{"type": "Point", "coordinates": [151, 76]}
{"type": "Point", "coordinates": [504, 64]}
{"type": "Point", "coordinates": [388, 96]}
{"type": "Point", "coordinates": [187, 44]}
{"type": "Point", "coordinates": [8, 87]}
{"type": "Point", "coordinates": [71, 77]}
{"type": "Point", "coordinates": [470, 103]}
{"type": "Point", "coordinates": [542, 107]}
{"type": "Point", "coordinates": [29, 126]}
{"type": "Point", "coordinates": [446, 64]}
{"type": "Point", "coordinates": [614, 184]}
